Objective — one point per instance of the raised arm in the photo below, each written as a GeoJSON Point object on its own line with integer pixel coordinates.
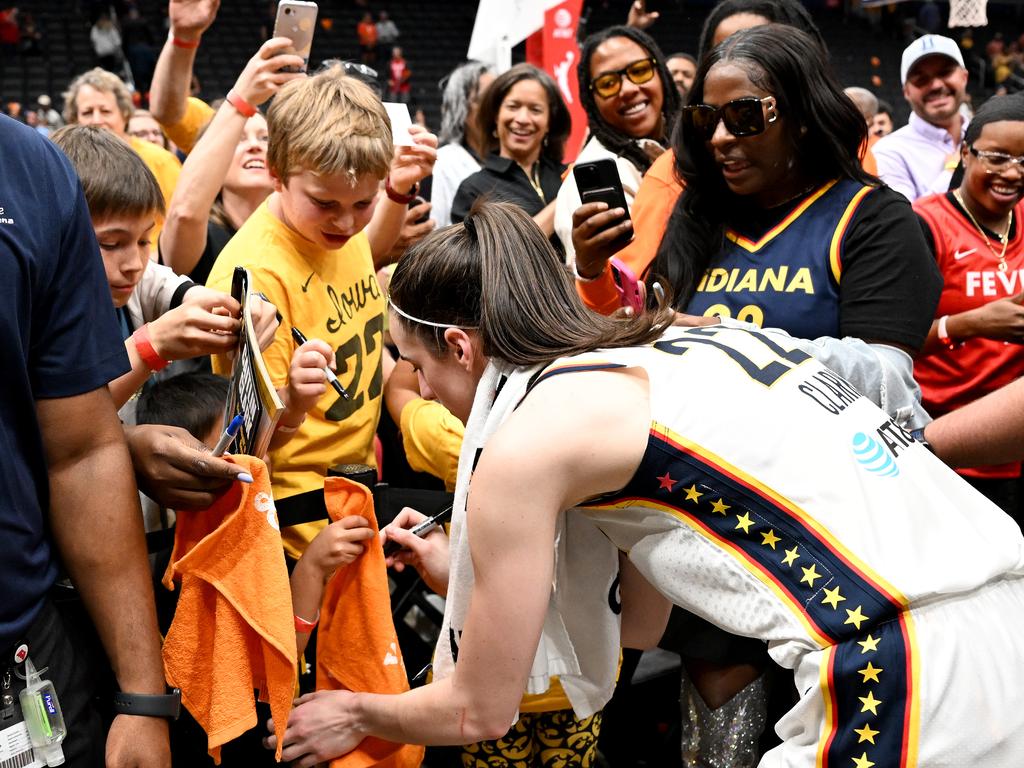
{"type": "Point", "coordinates": [409, 167]}
{"type": "Point", "coordinates": [183, 238]}
{"type": "Point", "coordinates": [173, 74]}
{"type": "Point", "coordinates": [97, 525]}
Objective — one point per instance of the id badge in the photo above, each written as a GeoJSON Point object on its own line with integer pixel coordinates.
{"type": "Point", "coordinates": [15, 744]}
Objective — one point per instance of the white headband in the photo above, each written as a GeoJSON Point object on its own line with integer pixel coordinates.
{"type": "Point", "coordinates": [431, 323]}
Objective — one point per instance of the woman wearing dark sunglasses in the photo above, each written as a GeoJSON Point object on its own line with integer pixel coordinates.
{"type": "Point", "coordinates": [973, 347]}
{"type": "Point", "coordinates": [598, 233]}
{"type": "Point", "coordinates": [630, 101]}
{"type": "Point", "coordinates": [778, 224]}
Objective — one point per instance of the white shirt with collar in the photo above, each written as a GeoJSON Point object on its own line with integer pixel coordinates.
{"type": "Point", "coordinates": [912, 160]}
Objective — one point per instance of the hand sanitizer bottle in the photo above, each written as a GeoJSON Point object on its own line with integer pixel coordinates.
{"type": "Point", "coordinates": [43, 717]}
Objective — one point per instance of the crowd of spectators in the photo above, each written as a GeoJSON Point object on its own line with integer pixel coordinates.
{"type": "Point", "coordinates": [756, 192]}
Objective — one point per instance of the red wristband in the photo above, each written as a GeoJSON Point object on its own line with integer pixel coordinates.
{"type": "Point", "coordinates": [144, 346]}
{"type": "Point", "coordinates": [398, 197]}
{"type": "Point", "coordinates": [305, 627]}
{"type": "Point", "coordinates": [189, 45]}
{"type": "Point", "coordinates": [245, 109]}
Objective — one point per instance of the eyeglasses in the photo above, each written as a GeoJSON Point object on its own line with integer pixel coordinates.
{"type": "Point", "coordinates": [742, 117]}
{"type": "Point", "coordinates": [997, 162]}
{"type": "Point", "coordinates": [607, 84]}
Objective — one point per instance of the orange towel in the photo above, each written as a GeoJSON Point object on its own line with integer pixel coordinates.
{"type": "Point", "coordinates": [357, 648]}
{"type": "Point", "coordinates": [233, 629]}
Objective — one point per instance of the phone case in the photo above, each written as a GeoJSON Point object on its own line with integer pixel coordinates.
{"type": "Point", "coordinates": [297, 20]}
{"type": "Point", "coordinates": [598, 181]}
{"type": "Point", "coordinates": [632, 293]}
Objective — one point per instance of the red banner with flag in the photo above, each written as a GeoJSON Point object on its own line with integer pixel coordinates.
{"type": "Point", "coordinates": [555, 50]}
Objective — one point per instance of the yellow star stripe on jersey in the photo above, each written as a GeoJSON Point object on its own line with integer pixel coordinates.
{"type": "Point", "coordinates": [862, 761]}
{"type": "Point", "coordinates": [810, 575]}
{"type": "Point", "coordinates": [871, 672]}
{"type": "Point", "coordinates": [833, 598]}
{"type": "Point", "coordinates": [870, 703]}
{"type": "Point", "coordinates": [791, 556]}
{"type": "Point", "coordinates": [719, 507]}
{"type": "Point", "coordinates": [744, 522]}
{"type": "Point", "coordinates": [869, 643]}
{"type": "Point", "coordinates": [770, 539]}
{"type": "Point", "coordinates": [855, 617]}
{"type": "Point", "coordinates": [692, 494]}
{"type": "Point", "coordinates": [867, 733]}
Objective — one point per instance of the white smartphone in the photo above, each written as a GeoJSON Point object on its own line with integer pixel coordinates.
{"type": "Point", "coordinates": [296, 20]}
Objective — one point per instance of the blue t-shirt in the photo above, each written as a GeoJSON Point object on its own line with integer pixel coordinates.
{"type": "Point", "coordinates": [58, 338]}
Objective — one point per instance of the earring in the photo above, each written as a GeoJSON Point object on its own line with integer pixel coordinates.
{"type": "Point", "coordinates": [494, 133]}
{"type": "Point", "coordinates": [545, 139]}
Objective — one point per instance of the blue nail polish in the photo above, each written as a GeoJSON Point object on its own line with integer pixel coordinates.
{"type": "Point", "coordinates": [243, 477]}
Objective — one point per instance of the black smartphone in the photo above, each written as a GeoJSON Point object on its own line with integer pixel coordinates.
{"type": "Point", "coordinates": [419, 201]}
{"type": "Point", "coordinates": [598, 182]}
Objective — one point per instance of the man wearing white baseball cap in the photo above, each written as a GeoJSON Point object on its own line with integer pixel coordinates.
{"type": "Point", "coordinates": [920, 157]}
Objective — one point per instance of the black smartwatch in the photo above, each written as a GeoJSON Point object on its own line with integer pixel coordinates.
{"type": "Point", "coordinates": [149, 704]}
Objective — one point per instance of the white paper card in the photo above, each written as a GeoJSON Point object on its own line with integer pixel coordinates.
{"type": "Point", "coordinates": [400, 119]}
{"type": "Point", "coordinates": [16, 748]}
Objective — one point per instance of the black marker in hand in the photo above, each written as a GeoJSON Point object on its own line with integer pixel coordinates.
{"type": "Point", "coordinates": [300, 339]}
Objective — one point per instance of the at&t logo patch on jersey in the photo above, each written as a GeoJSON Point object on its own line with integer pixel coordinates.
{"type": "Point", "coordinates": [873, 456]}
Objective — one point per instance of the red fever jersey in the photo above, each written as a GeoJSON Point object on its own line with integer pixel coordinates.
{"type": "Point", "coordinates": [950, 379]}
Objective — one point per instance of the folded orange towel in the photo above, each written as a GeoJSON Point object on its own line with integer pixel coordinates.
{"type": "Point", "coordinates": [357, 648]}
{"type": "Point", "coordinates": [233, 629]}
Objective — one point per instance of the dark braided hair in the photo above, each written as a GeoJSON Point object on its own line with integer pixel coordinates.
{"type": "Point", "coordinates": [614, 140]}
{"type": "Point", "coordinates": [788, 12]}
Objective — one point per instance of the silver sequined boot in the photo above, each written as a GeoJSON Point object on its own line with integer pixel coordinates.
{"type": "Point", "coordinates": [726, 737]}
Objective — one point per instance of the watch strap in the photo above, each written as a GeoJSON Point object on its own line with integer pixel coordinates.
{"type": "Point", "coordinates": [149, 704]}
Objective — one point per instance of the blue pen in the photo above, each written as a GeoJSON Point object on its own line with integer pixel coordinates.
{"type": "Point", "coordinates": [229, 435]}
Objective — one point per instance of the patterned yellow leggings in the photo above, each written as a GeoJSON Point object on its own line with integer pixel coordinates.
{"type": "Point", "coordinates": [539, 740]}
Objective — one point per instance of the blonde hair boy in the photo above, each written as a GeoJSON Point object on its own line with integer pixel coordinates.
{"type": "Point", "coordinates": [330, 146]}
{"type": "Point", "coordinates": [331, 123]}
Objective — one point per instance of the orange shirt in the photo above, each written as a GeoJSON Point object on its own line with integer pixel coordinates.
{"type": "Point", "coordinates": [366, 31]}
{"type": "Point", "coordinates": [651, 209]}
{"type": "Point", "coordinates": [867, 157]}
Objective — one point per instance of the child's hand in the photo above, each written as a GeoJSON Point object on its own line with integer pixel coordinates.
{"type": "Point", "coordinates": [414, 163]}
{"type": "Point", "coordinates": [200, 326]}
{"type": "Point", "coordinates": [306, 379]}
{"type": "Point", "coordinates": [338, 544]}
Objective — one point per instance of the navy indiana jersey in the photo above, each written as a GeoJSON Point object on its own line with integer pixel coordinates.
{"type": "Point", "coordinates": [789, 278]}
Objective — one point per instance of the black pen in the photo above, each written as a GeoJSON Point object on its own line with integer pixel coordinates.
{"type": "Point", "coordinates": [300, 339]}
{"type": "Point", "coordinates": [420, 529]}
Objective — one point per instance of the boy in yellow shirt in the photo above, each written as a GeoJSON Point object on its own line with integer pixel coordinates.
{"type": "Point", "coordinates": [330, 146]}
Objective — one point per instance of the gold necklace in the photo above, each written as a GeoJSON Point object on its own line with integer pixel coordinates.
{"type": "Point", "coordinates": [534, 177]}
{"type": "Point", "coordinates": [1004, 238]}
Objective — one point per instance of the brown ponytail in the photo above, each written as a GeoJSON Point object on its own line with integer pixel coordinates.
{"type": "Point", "coordinates": [497, 272]}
